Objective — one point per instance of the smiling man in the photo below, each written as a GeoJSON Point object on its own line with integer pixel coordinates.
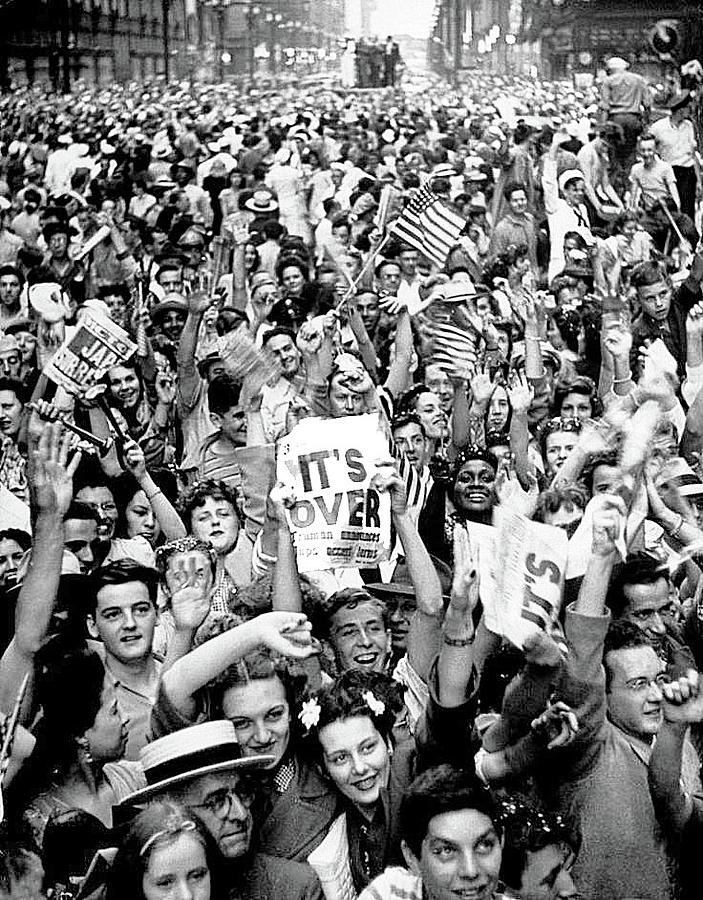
{"type": "Point", "coordinates": [357, 627]}
{"type": "Point", "coordinates": [122, 619]}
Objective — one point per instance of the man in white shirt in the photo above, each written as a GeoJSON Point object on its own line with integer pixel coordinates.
{"type": "Point", "coordinates": [676, 145]}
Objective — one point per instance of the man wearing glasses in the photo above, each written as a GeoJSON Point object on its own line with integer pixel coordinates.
{"type": "Point", "coordinates": [202, 767]}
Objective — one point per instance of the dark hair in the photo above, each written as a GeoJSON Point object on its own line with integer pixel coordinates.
{"type": "Point", "coordinates": [83, 511]}
{"type": "Point", "coordinates": [12, 270]}
{"type": "Point", "coordinates": [16, 387]}
{"type": "Point", "coordinates": [558, 423]}
{"type": "Point", "coordinates": [348, 696]}
{"type": "Point", "coordinates": [648, 273]}
{"type": "Point", "coordinates": [568, 323]}
{"type": "Point", "coordinates": [527, 828]}
{"type": "Point", "coordinates": [584, 386]}
{"type": "Point", "coordinates": [201, 491]}
{"type": "Point", "coordinates": [407, 402]}
{"type": "Point", "coordinates": [123, 571]}
{"type": "Point", "coordinates": [23, 538]}
{"type": "Point", "coordinates": [114, 290]}
{"type": "Point", "coordinates": [511, 187]}
{"type": "Point", "coordinates": [638, 568]}
{"type": "Point", "coordinates": [223, 393]}
{"type": "Point", "coordinates": [288, 261]}
{"type": "Point", "coordinates": [165, 818]}
{"type": "Point", "coordinates": [551, 501]}
{"type": "Point", "coordinates": [407, 418]}
{"type": "Point", "coordinates": [278, 331]}
{"type": "Point", "coordinates": [441, 790]}
{"type": "Point", "coordinates": [384, 264]}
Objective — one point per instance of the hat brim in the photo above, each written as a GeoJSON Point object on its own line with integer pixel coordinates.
{"type": "Point", "coordinates": [252, 207]}
{"type": "Point", "coordinates": [148, 793]}
{"type": "Point", "coordinates": [391, 588]}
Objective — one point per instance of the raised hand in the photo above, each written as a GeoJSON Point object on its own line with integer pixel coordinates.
{"type": "Point", "coordinates": [200, 301]}
{"type": "Point", "coordinates": [521, 393]}
{"type": "Point", "coordinates": [694, 322]}
{"type": "Point", "coordinates": [53, 472]}
{"type": "Point", "coordinates": [617, 340]}
{"type": "Point", "coordinates": [286, 633]}
{"type": "Point", "coordinates": [609, 515]}
{"type": "Point", "coordinates": [458, 622]}
{"type": "Point", "coordinates": [683, 699]}
{"type": "Point", "coordinates": [510, 492]}
{"type": "Point", "coordinates": [388, 481]}
{"type": "Point", "coordinates": [557, 724]}
{"type": "Point", "coordinates": [134, 461]}
{"type": "Point", "coordinates": [190, 601]}
{"type": "Point", "coordinates": [542, 650]}
{"type": "Point", "coordinates": [482, 387]}
{"type": "Point", "coordinates": [165, 387]}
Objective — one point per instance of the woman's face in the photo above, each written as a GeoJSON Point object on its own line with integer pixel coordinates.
{"type": "Point", "coordinates": [141, 521]}
{"type": "Point", "coordinates": [107, 738]}
{"type": "Point", "coordinates": [483, 307]}
{"type": "Point", "coordinates": [216, 522]}
{"type": "Point", "coordinates": [629, 230]}
{"type": "Point", "coordinates": [292, 281]}
{"type": "Point", "coordinates": [27, 344]}
{"type": "Point", "coordinates": [177, 870]}
{"type": "Point", "coordinates": [498, 409]}
{"type": "Point", "coordinates": [474, 487]}
{"type": "Point", "coordinates": [429, 409]}
{"type": "Point", "coordinates": [261, 716]}
{"type": "Point", "coordinates": [124, 386]}
{"type": "Point", "coordinates": [249, 256]}
{"type": "Point", "coordinates": [356, 758]}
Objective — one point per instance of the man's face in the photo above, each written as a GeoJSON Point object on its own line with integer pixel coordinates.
{"type": "Point", "coordinates": [124, 619]}
{"type": "Point", "coordinates": [604, 478]}
{"type": "Point", "coordinates": [359, 637]}
{"type": "Point", "coordinates": [80, 537]}
{"type": "Point", "coordinates": [648, 151]}
{"type": "Point", "coordinates": [410, 440]}
{"type": "Point", "coordinates": [518, 203]}
{"type": "Point", "coordinates": [438, 382]}
{"type": "Point", "coordinates": [216, 522]}
{"type": "Point", "coordinates": [655, 300]}
{"type": "Point", "coordinates": [547, 874]}
{"type": "Point", "coordinates": [9, 290]}
{"type": "Point", "coordinates": [102, 501]}
{"type": "Point", "coordinates": [558, 445]}
{"type": "Point", "coordinates": [172, 324]}
{"type": "Point", "coordinates": [649, 607]}
{"type": "Point", "coordinates": [233, 425]}
{"type": "Point", "coordinates": [576, 406]}
{"type": "Point", "coordinates": [117, 306]}
{"type": "Point", "coordinates": [10, 363]}
{"type": "Point", "coordinates": [171, 280]}
{"type": "Point", "coordinates": [10, 557]}
{"type": "Point", "coordinates": [574, 191]}
{"type": "Point", "coordinates": [634, 694]}
{"type": "Point", "coordinates": [369, 310]}
{"type": "Point", "coordinates": [401, 609]}
{"type": "Point", "coordinates": [408, 262]}
{"type": "Point", "coordinates": [222, 802]}
{"type": "Point", "coordinates": [10, 414]}
{"type": "Point", "coordinates": [58, 244]}
{"type": "Point", "coordinates": [389, 278]}
{"type": "Point", "coordinates": [460, 857]}
{"type": "Point", "coordinates": [286, 353]}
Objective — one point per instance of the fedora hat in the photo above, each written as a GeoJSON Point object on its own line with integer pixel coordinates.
{"type": "Point", "coordinates": [261, 202]}
{"type": "Point", "coordinates": [401, 585]}
{"type": "Point", "coordinates": [189, 753]}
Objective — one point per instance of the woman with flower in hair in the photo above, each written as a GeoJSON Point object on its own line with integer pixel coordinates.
{"type": "Point", "coordinates": [166, 855]}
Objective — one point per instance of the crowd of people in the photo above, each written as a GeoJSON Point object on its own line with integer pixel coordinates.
{"type": "Point", "coordinates": [185, 715]}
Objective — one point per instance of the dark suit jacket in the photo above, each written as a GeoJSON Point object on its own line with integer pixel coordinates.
{"type": "Point", "coordinates": [301, 817]}
{"type": "Point", "coordinates": [272, 878]}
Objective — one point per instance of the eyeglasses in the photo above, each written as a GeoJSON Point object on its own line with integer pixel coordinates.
{"type": "Point", "coordinates": [638, 685]}
{"type": "Point", "coordinates": [106, 507]}
{"type": "Point", "coordinates": [219, 804]}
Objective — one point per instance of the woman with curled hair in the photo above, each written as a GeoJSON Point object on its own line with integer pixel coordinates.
{"type": "Point", "coordinates": [166, 855]}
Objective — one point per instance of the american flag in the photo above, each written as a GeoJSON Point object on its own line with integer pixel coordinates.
{"type": "Point", "coordinates": [428, 225]}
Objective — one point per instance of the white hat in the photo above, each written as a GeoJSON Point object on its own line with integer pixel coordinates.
{"type": "Point", "coordinates": [189, 753]}
{"type": "Point", "coordinates": [617, 64]}
{"type": "Point", "coordinates": [569, 175]}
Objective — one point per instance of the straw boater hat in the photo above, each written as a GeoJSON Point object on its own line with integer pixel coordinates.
{"type": "Point", "coordinates": [188, 754]}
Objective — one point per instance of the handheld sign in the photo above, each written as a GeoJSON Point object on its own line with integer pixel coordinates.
{"type": "Point", "coordinates": [82, 360]}
{"type": "Point", "coordinates": [338, 518]}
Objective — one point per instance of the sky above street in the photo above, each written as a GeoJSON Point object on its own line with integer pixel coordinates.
{"type": "Point", "coordinates": [411, 17]}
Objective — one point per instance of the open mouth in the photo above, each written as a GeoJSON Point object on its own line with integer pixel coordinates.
{"type": "Point", "coordinates": [366, 784]}
{"type": "Point", "coordinates": [131, 639]}
{"type": "Point", "coordinates": [366, 659]}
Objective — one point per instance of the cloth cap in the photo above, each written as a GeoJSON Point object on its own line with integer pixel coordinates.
{"type": "Point", "coordinates": [569, 175]}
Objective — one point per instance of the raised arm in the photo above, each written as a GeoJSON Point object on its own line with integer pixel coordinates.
{"type": "Point", "coordinates": [683, 706]}
{"type": "Point", "coordinates": [283, 632]}
{"type": "Point", "coordinates": [189, 380]}
{"type": "Point", "coordinates": [171, 523]}
{"type": "Point", "coordinates": [52, 479]}
{"type": "Point", "coordinates": [396, 382]}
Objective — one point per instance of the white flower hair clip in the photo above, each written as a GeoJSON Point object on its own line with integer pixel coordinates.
{"type": "Point", "coordinates": [309, 715]}
{"type": "Point", "coordinates": [377, 707]}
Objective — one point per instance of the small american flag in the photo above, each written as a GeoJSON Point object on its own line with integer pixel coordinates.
{"type": "Point", "coordinates": [428, 225]}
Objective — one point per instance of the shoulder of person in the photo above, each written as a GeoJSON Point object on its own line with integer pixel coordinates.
{"type": "Point", "coordinates": [273, 876]}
